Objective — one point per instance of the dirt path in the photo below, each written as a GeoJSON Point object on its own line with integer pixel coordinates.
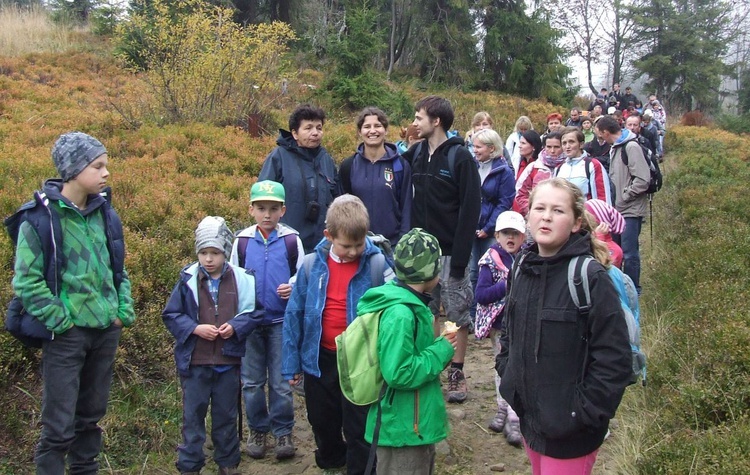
{"type": "Point", "coordinates": [470, 449]}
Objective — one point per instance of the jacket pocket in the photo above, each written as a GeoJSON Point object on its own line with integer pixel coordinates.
{"type": "Point", "coordinates": [559, 416]}
{"type": "Point", "coordinates": [559, 333]}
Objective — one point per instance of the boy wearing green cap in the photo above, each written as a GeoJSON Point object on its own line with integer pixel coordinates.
{"type": "Point", "coordinates": [413, 415]}
{"type": "Point", "coordinates": [274, 251]}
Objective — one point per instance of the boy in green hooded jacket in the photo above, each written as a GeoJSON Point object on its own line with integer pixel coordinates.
{"type": "Point", "coordinates": [414, 418]}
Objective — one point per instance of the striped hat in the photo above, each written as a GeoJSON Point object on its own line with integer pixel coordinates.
{"type": "Point", "coordinates": [605, 213]}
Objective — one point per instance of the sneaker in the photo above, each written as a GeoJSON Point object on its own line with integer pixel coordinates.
{"type": "Point", "coordinates": [284, 447]}
{"type": "Point", "coordinates": [512, 433]}
{"type": "Point", "coordinates": [256, 444]}
{"type": "Point", "coordinates": [229, 471]}
{"type": "Point", "coordinates": [457, 390]}
{"type": "Point", "coordinates": [498, 422]}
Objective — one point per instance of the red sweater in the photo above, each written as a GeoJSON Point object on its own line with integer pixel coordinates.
{"type": "Point", "coordinates": [334, 312]}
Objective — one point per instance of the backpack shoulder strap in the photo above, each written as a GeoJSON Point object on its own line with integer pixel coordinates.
{"type": "Point", "coordinates": [452, 161]}
{"type": "Point", "coordinates": [292, 252]}
{"type": "Point", "coordinates": [578, 283]}
{"type": "Point", "coordinates": [242, 250]}
{"type": "Point", "coordinates": [587, 164]}
{"type": "Point", "coordinates": [308, 262]}
{"type": "Point", "coordinates": [377, 268]}
{"type": "Point", "coordinates": [624, 154]}
{"type": "Point", "coordinates": [345, 174]}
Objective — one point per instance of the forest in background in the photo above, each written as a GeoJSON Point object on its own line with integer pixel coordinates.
{"type": "Point", "coordinates": [685, 51]}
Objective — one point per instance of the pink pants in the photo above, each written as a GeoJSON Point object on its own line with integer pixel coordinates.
{"type": "Point", "coordinates": [543, 465]}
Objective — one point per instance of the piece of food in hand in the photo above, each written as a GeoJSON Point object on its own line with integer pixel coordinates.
{"type": "Point", "coordinates": [450, 327]}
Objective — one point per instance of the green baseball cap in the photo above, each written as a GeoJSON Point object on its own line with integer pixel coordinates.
{"type": "Point", "coordinates": [267, 190]}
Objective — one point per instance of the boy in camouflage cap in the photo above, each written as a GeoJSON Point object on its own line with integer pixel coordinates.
{"type": "Point", "coordinates": [411, 359]}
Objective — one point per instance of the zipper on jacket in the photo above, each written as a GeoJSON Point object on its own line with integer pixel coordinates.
{"type": "Point", "coordinates": [416, 414]}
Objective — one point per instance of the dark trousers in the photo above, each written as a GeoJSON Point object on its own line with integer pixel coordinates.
{"type": "Point", "coordinates": [221, 390]}
{"type": "Point", "coordinates": [330, 414]}
{"type": "Point", "coordinates": [77, 374]}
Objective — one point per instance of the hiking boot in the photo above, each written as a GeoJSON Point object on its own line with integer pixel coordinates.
{"type": "Point", "coordinates": [256, 444]}
{"type": "Point", "coordinates": [512, 433]}
{"type": "Point", "coordinates": [457, 390]}
{"type": "Point", "coordinates": [229, 471]}
{"type": "Point", "coordinates": [284, 447]}
{"type": "Point", "coordinates": [498, 422]}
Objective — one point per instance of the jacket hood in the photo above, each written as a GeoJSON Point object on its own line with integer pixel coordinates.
{"type": "Point", "coordinates": [626, 137]}
{"type": "Point", "coordinates": [579, 244]}
{"type": "Point", "coordinates": [286, 140]}
{"type": "Point", "coordinates": [385, 296]}
{"type": "Point", "coordinates": [391, 152]}
{"type": "Point", "coordinates": [53, 189]}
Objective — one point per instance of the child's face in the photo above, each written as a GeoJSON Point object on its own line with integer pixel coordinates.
{"type": "Point", "coordinates": [93, 178]}
{"type": "Point", "coordinates": [586, 125]}
{"type": "Point", "coordinates": [551, 219]}
{"type": "Point", "coordinates": [510, 240]}
{"type": "Point", "coordinates": [346, 248]}
{"type": "Point", "coordinates": [267, 214]}
{"type": "Point", "coordinates": [212, 260]}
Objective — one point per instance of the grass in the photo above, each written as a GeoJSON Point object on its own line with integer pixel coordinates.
{"type": "Point", "coordinates": [26, 30]}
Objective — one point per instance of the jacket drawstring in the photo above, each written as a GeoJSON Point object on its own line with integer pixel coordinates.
{"type": "Point", "coordinates": [540, 306]}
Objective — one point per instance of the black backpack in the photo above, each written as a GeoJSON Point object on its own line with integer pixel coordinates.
{"type": "Point", "coordinates": [656, 180]}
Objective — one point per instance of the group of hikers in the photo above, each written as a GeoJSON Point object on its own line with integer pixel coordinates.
{"type": "Point", "coordinates": [482, 232]}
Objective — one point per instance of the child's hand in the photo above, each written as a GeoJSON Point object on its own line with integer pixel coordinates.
{"type": "Point", "coordinates": [226, 331]}
{"type": "Point", "coordinates": [207, 332]}
{"type": "Point", "coordinates": [284, 291]}
{"type": "Point", "coordinates": [297, 379]}
{"type": "Point", "coordinates": [452, 338]}
{"type": "Point", "coordinates": [117, 323]}
{"type": "Point", "coordinates": [603, 228]}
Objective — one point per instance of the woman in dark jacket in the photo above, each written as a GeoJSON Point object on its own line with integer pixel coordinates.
{"type": "Point", "coordinates": [563, 371]}
{"type": "Point", "coordinates": [307, 171]}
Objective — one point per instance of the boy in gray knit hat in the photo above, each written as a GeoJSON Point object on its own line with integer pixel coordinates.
{"type": "Point", "coordinates": [411, 359]}
{"type": "Point", "coordinates": [211, 312]}
{"type": "Point", "coordinates": [75, 310]}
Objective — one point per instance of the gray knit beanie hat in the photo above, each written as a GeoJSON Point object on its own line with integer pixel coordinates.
{"type": "Point", "coordinates": [417, 257]}
{"type": "Point", "coordinates": [73, 152]}
{"type": "Point", "coordinates": [212, 231]}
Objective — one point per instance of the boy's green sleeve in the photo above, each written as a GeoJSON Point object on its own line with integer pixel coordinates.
{"type": "Point", "coordinates": [30, 285]}
{"type": "Point", "coordinates": [125, 311]}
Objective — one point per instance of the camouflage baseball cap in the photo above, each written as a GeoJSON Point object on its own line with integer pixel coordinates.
{"type": "Point", "coordinates": [417, 257]}
{"type": "Point", "coordinates": [73, 152]}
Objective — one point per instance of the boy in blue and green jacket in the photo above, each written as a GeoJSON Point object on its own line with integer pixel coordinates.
{"type": "Point", "coordinates": [70, 278]}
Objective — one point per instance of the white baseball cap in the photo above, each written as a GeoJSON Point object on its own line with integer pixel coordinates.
{"type": "Point", "coordinates": [510, 220]}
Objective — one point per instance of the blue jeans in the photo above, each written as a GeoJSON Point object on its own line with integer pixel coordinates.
{"type": "Point", "coordinates": [478, 249]}
{"type": "Point", "coordinates": [77, 374]}
{"type": "Point", "coordinates": [261, 365]}
{"type": "Point", "coordinates": [207, 386]}
{"type": "Point", "coordinates": [630, 250]}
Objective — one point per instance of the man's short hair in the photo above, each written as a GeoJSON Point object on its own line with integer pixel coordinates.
{"type": "Point", "coordinates": [305, 112]}
{"type": "Point", "coordinates": [347, 216]}
{"type": "Point", "coordinates": [437, 107]}
{"type": "Point", "coordinates": [609, 124]}
{"type": "Point", "coordinates": [575, 109]}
